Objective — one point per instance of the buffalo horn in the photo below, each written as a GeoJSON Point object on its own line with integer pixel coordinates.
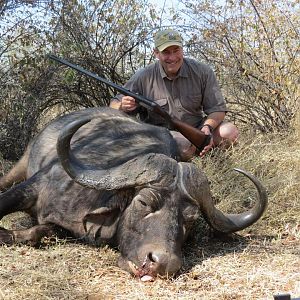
{"type": "Point", "coordinates": [196, 187]}
{"type": "Point", "coordinates": [141, 170]}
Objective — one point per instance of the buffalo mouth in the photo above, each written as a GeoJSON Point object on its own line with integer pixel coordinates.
{"type": "Point", "coordinates": [147, 271]}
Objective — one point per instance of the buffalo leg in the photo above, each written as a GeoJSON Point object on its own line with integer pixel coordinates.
{"type": "Point", "coordinates": [6, 237]}
{"type": "Point", "coordinates": [30, 236]}
{"type": "Point", "coordinates": [16, 174]}
{"type": "Point", "coordinates": [19, 198]}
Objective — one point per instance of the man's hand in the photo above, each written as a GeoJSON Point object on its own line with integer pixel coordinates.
{"type": "Point", "coordinates": [207, 130]}
{"type": "Point", "coordinates": [128, 104]}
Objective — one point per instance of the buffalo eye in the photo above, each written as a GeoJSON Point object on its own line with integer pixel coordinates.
{"type": "Point", "coordinates": [149, 197]}
{"type": "Point", "coordinates": [143, 202]}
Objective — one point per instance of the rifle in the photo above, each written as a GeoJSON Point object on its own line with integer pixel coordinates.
{"type": "Point", "coordinates": [194, 135]}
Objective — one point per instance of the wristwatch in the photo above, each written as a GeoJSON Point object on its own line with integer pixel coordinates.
{"type": "Point", "coordinates": [209, 126]}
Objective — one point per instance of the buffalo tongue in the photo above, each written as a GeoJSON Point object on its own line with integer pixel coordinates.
{"type": "Point", "coordinates": [147, 278]}
{"type": "Point", "coordinates": [145, 272]}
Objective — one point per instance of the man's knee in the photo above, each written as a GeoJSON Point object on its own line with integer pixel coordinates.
{"type": "Point", "coordinates": [227, 135]}
{"type": "Point", "coordinates": [229, 132]}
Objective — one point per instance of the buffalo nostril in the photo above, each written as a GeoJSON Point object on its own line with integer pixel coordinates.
{"type": "Point", "coordinates": [161, 262]}
{"type": "Point", "coordinates": [152, 257]}
{"type": "Point", "coordinates": [158, 257]}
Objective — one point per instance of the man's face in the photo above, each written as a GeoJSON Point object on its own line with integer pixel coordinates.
{"type": "Point", "coordinates": [171, 59]}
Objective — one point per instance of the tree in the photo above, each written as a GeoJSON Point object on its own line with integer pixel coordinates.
{"type": "Point", "coordinates": [107, 37]}
{"type": "Point", "coordinates": [254, 48]}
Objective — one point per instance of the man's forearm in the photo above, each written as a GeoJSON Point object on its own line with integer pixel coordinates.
{"type": "Point", "coordinates": [214, 119]}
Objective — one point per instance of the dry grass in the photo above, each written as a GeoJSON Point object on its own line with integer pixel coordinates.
{"type": "Point", "coordinates": [256, 264]}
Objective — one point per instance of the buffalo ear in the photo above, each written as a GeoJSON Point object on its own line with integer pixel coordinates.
{"type": "Point", "coordinates": [101, 223]}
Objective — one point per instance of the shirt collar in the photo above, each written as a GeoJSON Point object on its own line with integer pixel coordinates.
{"type": "Point", "coordinates": [183, 72]}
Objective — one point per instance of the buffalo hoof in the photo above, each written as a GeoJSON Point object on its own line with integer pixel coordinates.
{"type": "Point", "coordinates": [6, 237]}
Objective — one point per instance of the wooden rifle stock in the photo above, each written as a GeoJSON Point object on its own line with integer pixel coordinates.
{"type": "Point", "coordinates": [194, 135]}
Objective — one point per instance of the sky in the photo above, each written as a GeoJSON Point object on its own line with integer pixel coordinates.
{"type": "Point", "coordinates": [167, 3]}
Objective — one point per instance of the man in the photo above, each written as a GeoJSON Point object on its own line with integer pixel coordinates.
{"type": "Point", "coordinates": [184, 87]}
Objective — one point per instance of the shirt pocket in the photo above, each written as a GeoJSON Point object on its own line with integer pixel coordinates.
{"type": "Point", "coordinates": [192, 103]}
{"type": "Point", "coordinates": [162, 102]}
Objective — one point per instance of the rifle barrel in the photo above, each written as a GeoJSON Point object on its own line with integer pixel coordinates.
{"type": "Point", "coordinates": [148, 103]}
{"type": "Point", "coordinates": [194, 135]}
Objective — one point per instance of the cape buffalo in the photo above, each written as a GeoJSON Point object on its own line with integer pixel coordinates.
{"type": "Point", "coordinates": [109, 179]}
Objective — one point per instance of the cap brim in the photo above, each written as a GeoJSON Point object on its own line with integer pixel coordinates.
{"type": "Point", "coordinates": [168, 44]}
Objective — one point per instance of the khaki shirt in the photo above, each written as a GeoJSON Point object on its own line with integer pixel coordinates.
{"type": "Point", "coordinates": [192, 95]}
